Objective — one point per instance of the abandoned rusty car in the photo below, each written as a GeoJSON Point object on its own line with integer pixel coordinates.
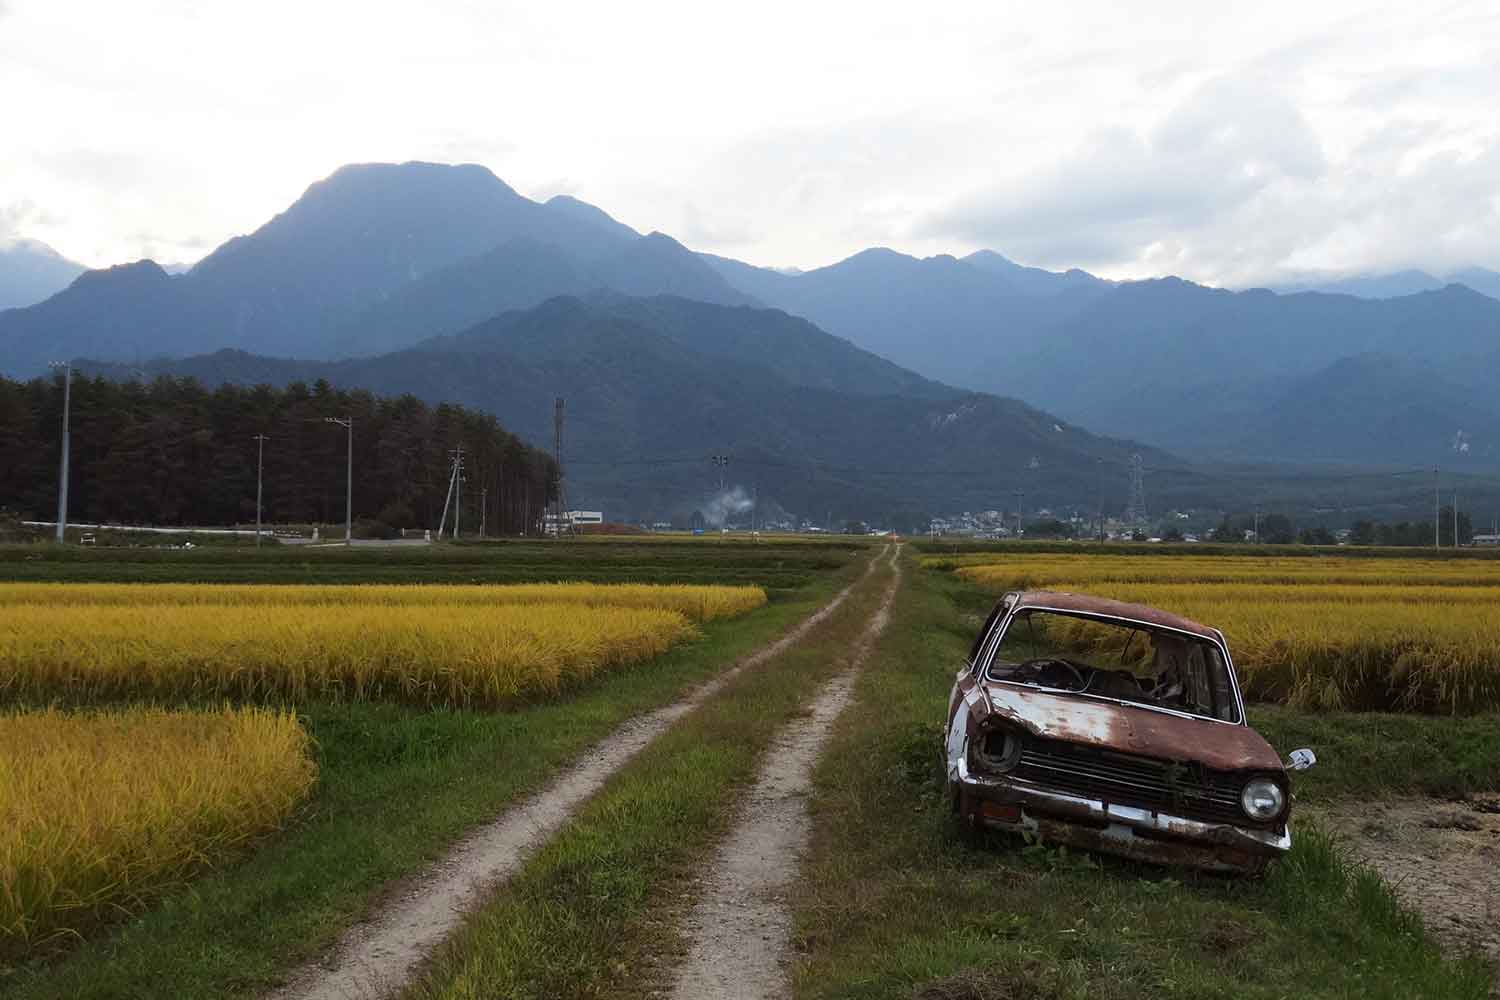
{"type": "Point", "coordinates": [1117, 728]}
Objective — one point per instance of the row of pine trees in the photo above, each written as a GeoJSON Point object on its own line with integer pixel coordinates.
{"type": "Point", "coordinates": [174, 452]}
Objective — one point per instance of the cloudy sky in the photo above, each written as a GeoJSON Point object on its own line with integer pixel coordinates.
{"type": "Point", "coordinates": [1230, 143]}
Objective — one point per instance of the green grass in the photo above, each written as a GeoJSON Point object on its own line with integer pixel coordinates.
{"type": "Point", "coordinates": [898, 901]}
{"type": "Point", "coordinates": [396, 786]}
{"type": "Point", "coordinates": [775, 565]}
{"type": "Point", "coordinates": [1377, 754]}
{"type": "Point", "coordinates": [591, 912]}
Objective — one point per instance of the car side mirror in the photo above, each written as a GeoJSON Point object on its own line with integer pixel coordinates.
{"type": "Point", "coordinates": [1301, 760]}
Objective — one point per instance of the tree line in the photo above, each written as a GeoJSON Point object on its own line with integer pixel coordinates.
{"type": "Point", "coordinates": [174, 452]}
{"type": "Point", "coordinates": [1278, 529]}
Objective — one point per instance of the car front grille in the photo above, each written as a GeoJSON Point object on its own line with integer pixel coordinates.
{"type": "Point", "coordinates": [1190, 791]}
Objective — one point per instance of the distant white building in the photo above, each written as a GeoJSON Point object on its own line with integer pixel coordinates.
{"type": "Point", "coordinates": [572, 520]}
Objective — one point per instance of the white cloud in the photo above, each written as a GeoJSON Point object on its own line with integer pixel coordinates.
{"type": "Point", "coordinates": [1225, 144]}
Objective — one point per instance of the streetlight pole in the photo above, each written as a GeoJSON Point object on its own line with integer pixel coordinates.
{"type": "Point", "coordinates": [260, 461]}
{"type": "Point", "coordinates": [62, 489]}
{"type": "Point", "coordinates": [348, 424]}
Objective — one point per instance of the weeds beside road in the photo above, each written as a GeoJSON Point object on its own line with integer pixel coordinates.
{"type": "Point", "coordinates": [897, 900]}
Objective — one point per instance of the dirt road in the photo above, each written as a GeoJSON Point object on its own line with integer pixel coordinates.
{"type": "Point", "coordinates": [738, 932]}
{"type": "Point", "coordinates": [378, 957]}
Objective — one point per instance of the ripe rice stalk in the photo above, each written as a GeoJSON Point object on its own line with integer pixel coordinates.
{"type": "Point", "coordinates": [456, 655]}
{"type": "Point", "coordinates": [102, 811]}
{"type": "Point", "coordinates": [702, 603]}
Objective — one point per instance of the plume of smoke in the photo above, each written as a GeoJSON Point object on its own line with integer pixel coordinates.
{"type": "Point", "coordinates": [722, 506]}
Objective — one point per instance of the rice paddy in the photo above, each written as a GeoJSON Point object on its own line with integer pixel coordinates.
{"type": "Point", "coordinates": [102, 811]}
{"type": "Point", "coordinates": [456, 646]}
{"type": "Point", "coordinates": [1407, 634]}
{"type": "Point", "coordinates": [700, 603]}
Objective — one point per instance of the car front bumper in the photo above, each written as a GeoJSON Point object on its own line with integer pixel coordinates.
{"type": "Point", "coordinates": [1159, 838]}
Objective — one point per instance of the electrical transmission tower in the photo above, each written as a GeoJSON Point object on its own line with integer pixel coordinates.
{"type": "Point", "coordinates": [1136, 512]}
{"type": "Point", "coordinates": [557, 437]}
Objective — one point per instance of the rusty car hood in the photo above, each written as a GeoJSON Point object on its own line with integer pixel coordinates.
{"type": "Point", "coordinates": [1131, 729]}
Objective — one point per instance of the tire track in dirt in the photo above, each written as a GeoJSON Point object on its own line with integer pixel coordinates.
{"type": "Point", "coordinates": [740, 929]}
{"type": "Point", "coordinates": [379, 956]}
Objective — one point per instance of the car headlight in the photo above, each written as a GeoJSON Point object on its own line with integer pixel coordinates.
{"type": "Point", "coordinates": [1262, 799]}
{"type": "Point", "coordinates": [997, 750]}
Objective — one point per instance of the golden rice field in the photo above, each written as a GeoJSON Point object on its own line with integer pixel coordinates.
{"type": "Point", "coordinates": [1409, 634]}
{"type": "Point", "coordinates": [429, 655]}
{"type": "Point", "coordinates": [100, 811]}
{"type": "Point", "coordinates": [471, 646]}
{"type": "Point", "coordinates": [700, 603]}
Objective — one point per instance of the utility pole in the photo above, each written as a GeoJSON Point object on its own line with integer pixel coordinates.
{"type": "Point", "coordinates": [457, 454]}
{"type": "Point", "coordinates": [484, 508]}
{"type": "Point", "coordinates": [348, 424]}
{"type": "Point", "coordinates": [1100, 464]}
{"type": "Point", "coordinates": [1437, 512]}
{"type": "Point", "coordinates": [1257, 524]}
{"type": "Point", "coordinates": [1455, 517]}
{"type": "Point", "coordinates": [1020, 499]}
{"type": "Point", "coordinates": [62, 489]}
{"type": "Point", "coordinates": [260, 461]}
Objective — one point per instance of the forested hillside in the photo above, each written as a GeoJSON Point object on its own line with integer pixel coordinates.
{"type": "Point", "coordinates": [173, 452]}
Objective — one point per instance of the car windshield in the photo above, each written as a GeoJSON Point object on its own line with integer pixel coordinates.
{"type": "Point", "coordinates": [1124, 660]}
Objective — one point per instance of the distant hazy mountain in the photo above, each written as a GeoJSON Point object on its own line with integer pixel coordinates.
{"type": "Point", "coordinates": [124, 313]}
{"type": "Point", "coordinates": [1368, 286]}
{"type": "Point", "coordinates": [1216, 372]}
{"type": "Point", "coordinates": [31, 271]}
{"type": "Point", "coordinates": [947, 318]}
{"type": "Point", "coordinates": [1375, 408]}
{"type": "Point", "coordinates": [1482, 280]}
{"type": "Point", "coordinates": [519, 274]}
{"type": "Point", "coordinates": [1399, 283]}
{"type": "Point", "coordinates": [655, 386]}
{"type": "Point", "coordinates": [350, 242]}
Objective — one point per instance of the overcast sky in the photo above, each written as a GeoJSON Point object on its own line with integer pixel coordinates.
{"type": "Point", "coordinates": [1229, 143]}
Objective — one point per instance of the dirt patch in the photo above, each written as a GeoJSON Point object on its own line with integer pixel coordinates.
{"type": "Point", "coordinates": [378, 957]}
{"type": "Point", "coordinates": [1442, 858]}
{"type": "Point", "coordinates": [739, 932]}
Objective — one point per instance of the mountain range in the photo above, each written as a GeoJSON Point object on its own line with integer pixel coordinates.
{"type": "Point", "coordinates": [381, 260]}
{"type": "Point", "coordinates": [1397, 283]}
{"type": "Point", "coordinates": [653, 386]}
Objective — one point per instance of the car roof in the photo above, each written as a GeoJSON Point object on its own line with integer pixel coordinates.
{"type": "Point", "coordinates": [1104, 606]}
